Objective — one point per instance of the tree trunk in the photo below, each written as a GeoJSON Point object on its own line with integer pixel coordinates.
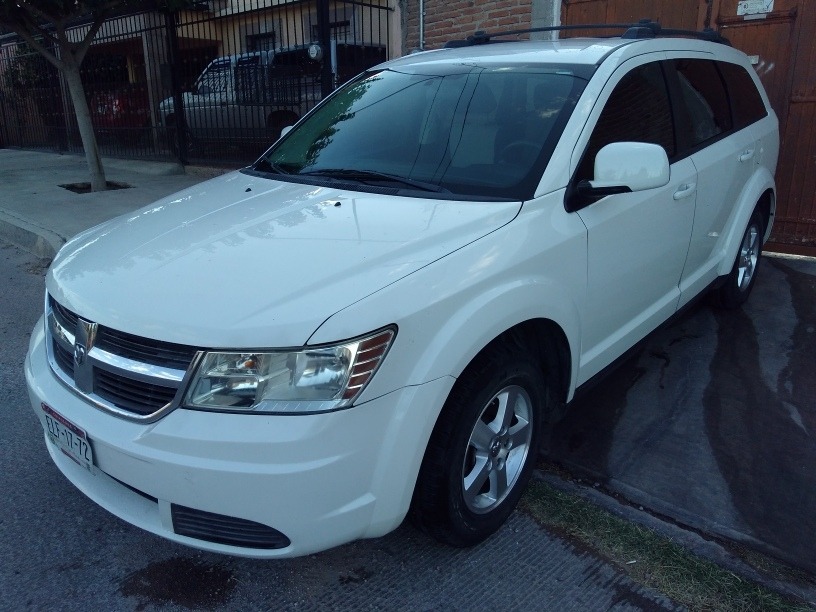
{"type": "Point", "coordinates": [83, 116]}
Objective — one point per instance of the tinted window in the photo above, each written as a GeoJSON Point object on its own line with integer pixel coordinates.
{"type": "Point", "coordinates": [477, 132]}
{"type": "Point", "coordinates": [704, 100]}
{"type": "Point", "coordinates": [215, 79]}
{"type": "Point", "coordinates": [746, 103]}
{"type": "Point", "coordinates": [637, 111]}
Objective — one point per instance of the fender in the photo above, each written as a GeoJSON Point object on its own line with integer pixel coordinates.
{"type": "Point", "coordinates": [532, 268]}
{"type": "Point", "coordinates": [761, 181]}
{"type": "Point", "coordinates": [447, 312]}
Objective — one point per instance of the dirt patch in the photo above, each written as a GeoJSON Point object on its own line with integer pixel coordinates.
{"type": "Point", "coordinates": [86, 187]}
{"type": "Point", "coordinates": [180, 581]}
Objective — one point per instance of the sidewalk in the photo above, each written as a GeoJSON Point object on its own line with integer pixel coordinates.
{"type": "Point", "coordinates": [39, 215]}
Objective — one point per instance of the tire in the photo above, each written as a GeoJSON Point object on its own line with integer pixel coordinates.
{"type": "Point", "coordinates": [484, 445]}
{"type": "Point", "coordinates": [193, 144]}
{"type": "Point", "coordinates": [739, 282]}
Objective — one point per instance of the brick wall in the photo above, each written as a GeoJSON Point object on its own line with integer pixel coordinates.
{"type": "Point", "coordinates": [446, 20]}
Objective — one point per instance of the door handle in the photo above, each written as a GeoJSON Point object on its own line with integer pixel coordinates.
{"type": "Point", "coordinates": [684, 191]}
{"type": "Point", "coordinates": [746, 155]}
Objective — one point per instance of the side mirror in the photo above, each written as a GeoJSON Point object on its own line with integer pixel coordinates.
{"type": "Point", "coordinates": [623, 167]}
{"type": "Point", "coordinates": [285, 131]}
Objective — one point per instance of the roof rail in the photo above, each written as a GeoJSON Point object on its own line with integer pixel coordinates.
{"type": "Point", "coordinates": [645, 28]}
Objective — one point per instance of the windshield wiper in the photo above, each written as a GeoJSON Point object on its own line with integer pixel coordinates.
{"type": "Point", "coordinates": [264, 165]}
{"type": "Point", "coordinates": [367, 176]}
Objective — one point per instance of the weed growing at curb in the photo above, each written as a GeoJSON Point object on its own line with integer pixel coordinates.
{"type": "Point", "coordinates": [650, 559]}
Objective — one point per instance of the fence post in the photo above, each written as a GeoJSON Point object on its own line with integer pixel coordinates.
{"type": "Point", "coordinates": [170, 18]}
{"type": "Point", "coordinates": [324, 35]}
{"type": "Point", "coordinates": [4, 129]}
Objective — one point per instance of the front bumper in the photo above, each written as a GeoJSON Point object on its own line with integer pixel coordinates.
{"type": "Point", "coordinates": [320, 480]}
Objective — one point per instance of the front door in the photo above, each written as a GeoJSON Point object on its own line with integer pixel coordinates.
{"type": "Point", "coordinates": [637, 242]}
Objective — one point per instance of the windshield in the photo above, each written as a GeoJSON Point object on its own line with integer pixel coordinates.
{"type": "Point", "coordinates": [215, 79]}
{"type": "Point", "coordinates": [486, 133]}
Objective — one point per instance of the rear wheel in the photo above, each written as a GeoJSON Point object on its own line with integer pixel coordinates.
{"type": "Point", "coordinates": [740, 281]}
{"type": "Point", "coordinates": [483, 447]}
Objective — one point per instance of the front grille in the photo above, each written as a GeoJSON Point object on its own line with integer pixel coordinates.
{"type": "Point", "coordinates": [66, 318]}
{"type": "Point", "coordinates": [146, 350]}
{"type": "Point", "coordinates": [131, 395]}
{"type": "Point", "coordinates": [223, 529]}
{"type": "Point", "coordinates": [166, 354]}
{"type": "Point", "coordinates": [141, 378]}
{"type": "Point", "coordinates": [64, 358]}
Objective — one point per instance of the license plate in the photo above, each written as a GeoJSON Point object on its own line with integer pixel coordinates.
{"type": "Point", "coordinates": [70, 439]}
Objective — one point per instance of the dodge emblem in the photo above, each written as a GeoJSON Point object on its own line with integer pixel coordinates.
{"type": "Point", "coordinates": [83, 343]}
{"type": "Point", "coordinates": [79, 354]}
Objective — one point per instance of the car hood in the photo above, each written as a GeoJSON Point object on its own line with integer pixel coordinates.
{"type": "Point", "coordinates": [243, 261]}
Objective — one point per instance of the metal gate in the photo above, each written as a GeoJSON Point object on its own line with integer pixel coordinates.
{"type": "Point", "coordinates": [780, 38]}
{"type": "Point", "coordinates": [213, 84]}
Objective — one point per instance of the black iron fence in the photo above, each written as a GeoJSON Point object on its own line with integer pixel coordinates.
{"type": "Point", "coordinates": [214, 84]}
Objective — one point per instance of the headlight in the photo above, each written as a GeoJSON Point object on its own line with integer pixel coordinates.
{"type": "Point", "coordinates": [308, 380]}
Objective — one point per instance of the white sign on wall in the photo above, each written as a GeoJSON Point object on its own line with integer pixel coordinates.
{"type": "Point", "coordinates": [754, 7]}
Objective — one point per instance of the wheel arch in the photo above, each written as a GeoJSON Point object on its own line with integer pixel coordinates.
{"type": "Point", "coordinates": [548, 344]}
{"type": "Point", "coordinates": [407, 437]}
{"type": "Point", "coordinates": [545, 343]}
{"type": "Point", "coordinates": [767, 208]}
{"type": "Point", "coordinates": [759, 193]}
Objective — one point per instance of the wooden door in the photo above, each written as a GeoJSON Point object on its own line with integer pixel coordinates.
{"type": "Point", "coordinates": [782, 47]}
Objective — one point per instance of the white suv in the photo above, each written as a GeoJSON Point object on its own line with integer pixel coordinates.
{"type": "Point", "coordinates": [383, 314]}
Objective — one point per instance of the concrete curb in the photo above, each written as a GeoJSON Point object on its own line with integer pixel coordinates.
{"type": "Point", "coordinates": [42, 234]}
{"type": "Point", "coordinates": [39, 241]}
{"type": "Point", "coordinates": [149, 168]}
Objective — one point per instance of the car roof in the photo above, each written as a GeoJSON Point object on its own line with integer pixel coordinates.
{"type": "Point", "coordinates": [568, 51]}
{"type": "Point", "coordinates": [573, 51]}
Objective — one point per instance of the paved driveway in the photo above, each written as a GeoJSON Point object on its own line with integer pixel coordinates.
{"type": "Point", "coordinates": [713, 421]}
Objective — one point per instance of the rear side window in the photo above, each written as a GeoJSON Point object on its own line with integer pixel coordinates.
{"type": "Point", "coordinates": [637, 111]}
{"type": "Point", "coordinates": [704, 98]}
{"type": "Point", "coordinates": [746, 102]}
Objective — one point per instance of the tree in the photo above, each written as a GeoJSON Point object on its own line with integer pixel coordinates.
{"type": "Point", "coordinates": [44, 25]}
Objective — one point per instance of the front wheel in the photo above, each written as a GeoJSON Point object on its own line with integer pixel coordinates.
{"type": "Point", "coordinates": [483, 447]}
{"type": "Point", "coordinates": [740, 280]}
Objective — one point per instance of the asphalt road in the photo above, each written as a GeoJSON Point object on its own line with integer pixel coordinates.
{"type": "Point", "coordinates": [59, 550]}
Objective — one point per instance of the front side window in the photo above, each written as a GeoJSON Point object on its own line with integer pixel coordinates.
{"type": "Point", "coordinates": [638, 110]}
{"type": "Point", "coordinates": [469, 132]}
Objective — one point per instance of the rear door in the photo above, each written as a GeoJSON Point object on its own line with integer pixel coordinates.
{"type": "Point", "coordinates": [724, 154]}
